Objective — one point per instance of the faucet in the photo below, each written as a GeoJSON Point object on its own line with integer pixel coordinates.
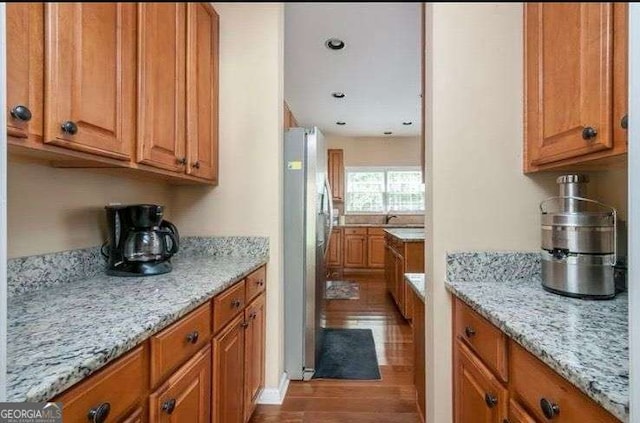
{"type": "Point", "coordinates": [388, 217]}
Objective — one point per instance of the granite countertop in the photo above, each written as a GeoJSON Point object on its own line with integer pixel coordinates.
{"type": "Point", "coordinates": [59, 335]}
{"type": "Point", "coordinates": [416, 282]}
{"type": "Point", "coordinates": [380, 225]}
{"type": "Point", "coordinates": [407, 234]}
{"type": "Point", "coordinates": [586, 342]}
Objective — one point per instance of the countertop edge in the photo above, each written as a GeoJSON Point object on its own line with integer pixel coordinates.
{"type": "Point", "coordinates": [618, 410]}
{"type": "Point", "coordinates": [419, 293]}
{"type": "Point", "coordinates": [47, 390]}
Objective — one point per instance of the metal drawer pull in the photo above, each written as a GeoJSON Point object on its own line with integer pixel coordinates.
{"type": "Point", "coordinates": [192, 337]}
{"type": "Point", "coordinates": [491, 400]}
{"type": "Point", "coordinates": [469, 331]}
{"type": "Point", "coordinates": [236, 303]}
{"type": "Point", "coordinates": [100, 413]}
{"type": "Point", "coordinates": [549, 409]}
{"type": "Point", "coordinates": [169, 405]}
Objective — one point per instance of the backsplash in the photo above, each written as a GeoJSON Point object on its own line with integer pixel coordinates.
{"type": "Point", "coordinates": [401, 219]}
{"type": "Point", "coordinates": [31, 273]}
{"type": "Point", "coordinates": [493, 266]}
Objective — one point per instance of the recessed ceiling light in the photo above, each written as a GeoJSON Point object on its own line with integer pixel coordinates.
{"type": "Point", "coordinates": [338, 94]}
{"type": "Point", "coordinates": [341, 123]}
{"type": "Point", "coordinates": [334, 44]}
{"type": "Point", "coordinates": [407, 123]}
{"type": "Point", "coordinates": [388, 133]}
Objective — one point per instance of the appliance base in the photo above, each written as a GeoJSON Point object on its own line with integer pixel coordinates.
{"type": "Point", "coordinates": [134, 268]}
{"type": "Point", "coordinates": [580, 296]}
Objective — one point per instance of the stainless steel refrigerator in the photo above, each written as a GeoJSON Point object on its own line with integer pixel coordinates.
{"type": "Point", "coordinates": [307, 230]}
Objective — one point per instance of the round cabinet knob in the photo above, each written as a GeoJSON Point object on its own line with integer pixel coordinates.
{"type": "Point", "coordinates": [624, 122]}
{"type": "Point", "coordinates": [469, 331]}
{"type": "Point", "coordinates": [21, 112]}
{"type": "Point", "coordinates": [549, 409]}
{"type": "Point", "coordinates": [260, 282]}
{"type": "Point", "coordinates": [69, 127]}
{"type": "Point", "coordinates": [192, 337]}
{"type": "Point", "coordinates": [100, 413]}
{"type": "Point", "coordinates": [182, 161]}
{"type": "Point", "coordinates": [253, 316]}
{"type": "Point", "coordinates": [169, 405]}
{"type": "Point", "coordinates": [196, 165]}
{"type": "Point", "coordinates": [236, 303]}
{"type": "Point", "coordinates": [589, 133]}
{"type": "Point", "coordinates": [491, 400]}
{"type": "Point", "coordinates": [244, 325]}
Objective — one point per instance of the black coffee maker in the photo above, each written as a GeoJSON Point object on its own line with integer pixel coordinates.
{"type": "Point", "coordinates": [140, 243]}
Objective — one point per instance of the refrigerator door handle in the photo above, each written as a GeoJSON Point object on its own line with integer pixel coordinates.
{"type": "Point", "coordinates": [327, 188]}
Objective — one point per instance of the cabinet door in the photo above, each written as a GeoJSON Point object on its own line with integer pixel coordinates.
{"type": "Point", "coordinates": [254, 354]}
{"type": "Point", "coordinates": [355, 251]}
{"type": "Point", "coordinates": [186, 395]}
{"type": "Point", "coordinates": [202, 91]}
{"type": "Point", "coordinates": [419, 334]}
{"type": "Point", "coordinates": [375, 251]}
{"type": "Point", "coordinates": [228, 373]}
{"type": "Point", "coordinates": [336, 173]}
{"type": "Point", "coordinates": [478, 395]}
{"type": "Point", "coordinates": [334, 256]}
{"type": "Point", "coordinates": [399, 285]}
{"type": "Point", "coordinates": [25, 69]}
{"type": "Point", "coordinates": [517, 414]}
{"type": "Point", "coordinates": [568, 66]}
{"type": "Point", "coordinates": [162, 85]}
{"type": "Point", "coordinates": [389, 267]}
{"type": "Point", "coordinates": [90, 77]}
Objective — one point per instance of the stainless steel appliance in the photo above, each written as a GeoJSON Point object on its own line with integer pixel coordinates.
{"type": "Point", "coordinates": [579, 246]}
{"type": "Point", "coordinates": [140, 241]}
{"type": "Point", "coordinates": [307, 228]}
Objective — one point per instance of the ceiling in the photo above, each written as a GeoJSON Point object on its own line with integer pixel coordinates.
{"type": "Point", "coordinates": [378, 70]}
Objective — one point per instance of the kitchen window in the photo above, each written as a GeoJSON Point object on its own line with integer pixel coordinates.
{"type": "Point", "coordinates": [383, 190]}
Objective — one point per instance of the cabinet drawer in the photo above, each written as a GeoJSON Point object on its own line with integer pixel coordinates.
{"type": "Point", "coordinates": [534, 383]}
{"type": "Point", "coordinates": [227, 305]}
{"type": "Point", "coordinates": [484, 339]}
{"type": "Point", "coordinates": [355, 231]}
{"type": "Point", "coordinates": [122, 386]}
{"type": "Point", "coordinates": [175, 344]}
{"type": "Point", "coordinates": [375, 231]}
{"type": "Point", "coordinates": [256, 283]}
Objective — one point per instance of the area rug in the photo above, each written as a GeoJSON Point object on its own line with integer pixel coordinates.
{"type": "Point", "coordinates": [347, 354]}
{"type": "Point", "coordinates": [342, 290]}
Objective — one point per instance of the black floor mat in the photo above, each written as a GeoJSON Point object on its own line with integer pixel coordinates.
{"type": "Point", "coordinates": [347, 354]}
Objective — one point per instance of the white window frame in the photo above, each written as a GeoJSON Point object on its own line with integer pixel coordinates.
{"type": "Point", "coordinates": [383, 169]}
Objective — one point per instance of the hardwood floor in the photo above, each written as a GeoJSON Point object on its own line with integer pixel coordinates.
{"type": "Point", "coordinates": [390, 400]}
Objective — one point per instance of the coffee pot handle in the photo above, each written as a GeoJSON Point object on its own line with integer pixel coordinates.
{"type": "Point", "coordinates": [165, 224]}
{"type": "Point", "coordinates": [166, 233]}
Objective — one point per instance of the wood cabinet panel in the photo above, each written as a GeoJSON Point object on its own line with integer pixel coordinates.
{"type": "Point", "coordinates": [175, 344]}
{"type": "Point", "coordinates": [255, 316]}
{"type": "Point", "coordinates": [482, 337]}
{"type": "Point", "coordinates": [25, 70]}
{"type": "Point", "coordinates": [186, 396]}
{"type": "Point", "coordinates": [575, 78]}
{"type": "Point", "coordinates": [228, 373]}
{"type": "Point", "coordinates": [202, 91]}
{"type": "Point", "coordinates": [533, 382]}
{"type": "Point", "coordinates": [419, 335]}
{"type": "Point", "coordinates": [375, 251]}
{"type": "Point", "coordinates": [90, 87]}
{"type": "Point", "coordinates": [517, 414]}
{"type": "Point", "coordinates": [123, 385]}
{"type": "Point", "coordinates": [162, 85]}
{"type": "Point", "coordinates": [355, 250]}
{"type": "Point", "coordinates": [227, 305]}
{"type": "Point", "coordinates": [334, 255]}
{"type": "Point", "coordinates": [336, 173]}
{"type": "Point", "coordinates": [256, 283]}
{"type": "Point", "coordinates": [478, 395]}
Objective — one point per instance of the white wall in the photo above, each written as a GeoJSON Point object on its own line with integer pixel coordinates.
{"type": "Point", "coordinates": [377, 151]}
{"type": "Point", "coordinates": [54, 209]}
{"type": "Point", "coordinates": [634, 211]}
{"type": "Point", "coordinates": [3, 210]}
{"type": "Point", "coordinates": [477, 196]}
{"type": "Point", "coordinates": [249, 198]}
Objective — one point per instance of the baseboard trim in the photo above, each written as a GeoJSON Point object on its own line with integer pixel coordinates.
{"type": "Point", "coordinates": [275, 396]}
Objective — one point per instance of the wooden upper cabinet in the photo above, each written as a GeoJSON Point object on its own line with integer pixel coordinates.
{"type": "Point", "coordinates": [572, 56]}
{"type": "Point", "coordinates": [336, 173]}
{"type": "Point", "coordinates": [202, 91]}
{"type": "Point", "coordinates": [90, 77]}
{"type": "Point", "coordinates": [255, 316]}
{"type": "Point", "coordinates": [162, 85]}
{"type": "Point", "coordinates": [25, 70]}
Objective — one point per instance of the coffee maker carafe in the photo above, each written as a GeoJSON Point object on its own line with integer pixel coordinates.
{"type": "Point", "coordinates": [140, 242]}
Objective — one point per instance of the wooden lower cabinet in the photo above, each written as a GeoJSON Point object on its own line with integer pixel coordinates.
{"type": "Point", "coordinates": [375, 250]}
{"type": "Point", "coordinates": [228, 373]}
{"type": "Point", "coordinates": [355, 248]}
{"type": "Point", "coordinates": [419, 336]}
{"type": "Point", "coordinates": [400, 258]}
{"type": "Point", "coordinates": [479, 397]}
{"type": "Point", "coordinates": [334, 255]}
{"type": "Point", "coordinates": [517, 414]}
{"type": "Point", "coordinates": [254, 343]}
{"type": "Point", "coordinates": [186, 395]}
